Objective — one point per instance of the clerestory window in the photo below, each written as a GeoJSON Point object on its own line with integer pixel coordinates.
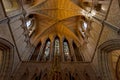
{"type": "Point", "coordinates": [57, 47]}
{"type": "Point", "coordinates": [47, 50]}
{"type": "Point", "coordinates": [66, 51]}
{"type": "Point", "coordinates": [30, 24]}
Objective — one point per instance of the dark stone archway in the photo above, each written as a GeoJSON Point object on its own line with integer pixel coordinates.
{"type": "Point", "coordinates": [103, 61]}
{"type": "Point", "coordinates": [7, 61]}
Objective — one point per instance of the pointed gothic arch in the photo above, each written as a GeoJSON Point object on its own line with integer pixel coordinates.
{"type": "Point", "coordinates": [7, 62]}
{"type": "Point", "coordinates": [66, 50]}
{"type": "Point", "coordinates": [46, 50]}
{"type": "Point", "coordinates": [103, 55]}
{"type": "Point", "coordinates": [57, 45]}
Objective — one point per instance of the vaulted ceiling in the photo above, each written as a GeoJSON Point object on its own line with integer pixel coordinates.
{"type": "Point", "coordinates": [56, 18]}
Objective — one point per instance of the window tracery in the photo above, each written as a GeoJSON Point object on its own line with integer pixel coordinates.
{"type": "Point", "coordinates": [57, 47]}
{"type": "Point", "coordinates": [45, 54]}
{"type": "Point", "coordinates": [47, 50]}
{"type": "Point", "coordinates": [66, 51]}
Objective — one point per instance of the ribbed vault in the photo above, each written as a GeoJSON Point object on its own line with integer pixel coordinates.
{"type": "Point", "coordinates": [57, 9]}
{"type": "Point", "coordinates": [63, 13]}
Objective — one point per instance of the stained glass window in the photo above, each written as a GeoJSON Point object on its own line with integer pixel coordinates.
{"type": "Point", "coordinates": [66, 51]}
{"type": "Point", "coordinates": [29, 23]}
{"type": "Point", "coordinates": [83, 29]}
{"type": "Point", "coordinates": [57, 45]}
{"type": "Point", "coordinates": [84, 25]}
{"type": "Point", "coordinates": [47, 50]}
